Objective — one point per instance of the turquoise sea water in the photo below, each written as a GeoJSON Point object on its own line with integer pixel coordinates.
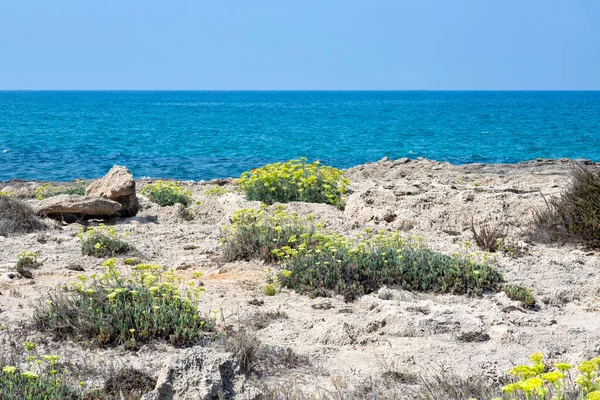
{"type": "Point", "coordinates": [203, 135]}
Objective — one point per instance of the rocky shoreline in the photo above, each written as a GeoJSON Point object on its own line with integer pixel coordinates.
{"type": "Point", "coordinates": [420, 333]}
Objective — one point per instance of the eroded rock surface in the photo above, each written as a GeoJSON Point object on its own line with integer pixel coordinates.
{"type": "Point", "coordinates": [117, 185]}
{"type": "Point", "coordinates": [70, 204]}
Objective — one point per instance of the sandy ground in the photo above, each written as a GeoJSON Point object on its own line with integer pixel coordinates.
{"type": "Point", "coordinates": [421, 333]}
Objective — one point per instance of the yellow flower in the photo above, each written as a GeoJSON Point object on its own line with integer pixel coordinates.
{"type": "Point", "coordinates": [510, 388]}
{"type": "Point", "coordinates": [9, 370]}
{"type": "Point", "coordinates": [595, 395]}
{"type": "Point", "coordinates": [563, 366]}
{"type": "Point", "coordinates": [29, 346]}
{"type": "Point", "coordinates": [285, 273]}
{"type": "Point", "coordinates": [553, 376]}
{"type": "Point", "coordinates": [587, 366]}
{"type": "Point", "coordinates": [522, 371]}
{"type": "Point", "coordinates": [531, 384]}
{"type": "Point", "coordinates": [30, 375]}
{"type": "Point", "coordinates": [582, 380]}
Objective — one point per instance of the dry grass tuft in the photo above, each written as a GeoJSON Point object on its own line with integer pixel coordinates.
{"type": "Point", "coordinates": [573, 216]}
{"type": "Point", "coordinates": [17, 217]}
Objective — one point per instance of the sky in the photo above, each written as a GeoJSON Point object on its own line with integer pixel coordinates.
{"type": "Point", "coordinates": [300, 44]}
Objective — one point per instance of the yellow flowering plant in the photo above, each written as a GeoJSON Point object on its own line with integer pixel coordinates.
{"type": "Point", "coordinates": [112, 309]}
{"type": "Point", "coordinates": [538, 381]}
{"type": "Point", "coordinates": [320, 263]}
{"type": "Point", "coordinates": [102, 241]}
{"type": "Point", "coordinates": [165, 193]}
{"type": "Point", "coordinates": [295, 180]}
{"type": "Point", "coordinates": [43, 379]}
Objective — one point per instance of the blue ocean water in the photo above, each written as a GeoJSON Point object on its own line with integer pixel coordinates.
{"type": "Point", "coordinates": [65, 135]}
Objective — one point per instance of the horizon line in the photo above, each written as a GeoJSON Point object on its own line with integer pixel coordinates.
{"type": "Point", "coordinates": [299, 90]}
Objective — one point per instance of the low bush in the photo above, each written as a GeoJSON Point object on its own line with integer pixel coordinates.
{"type": "Point", "coordinates": [520, 293]}
{"type": "Point", "coordinates": [322, 263]}
{"type": "Point", "coordinates": [295, 180]}
{"type": "Point", "coordinates": [333, 264]}
{"type": "Point", "coordinates": [26, 261]}
{"type": "Point", "coordinates": [42, 380]}
{"type": "Point", "coordinates": [103, 241]}
{"type": "Point", "coordinates": [110, 309]}
{"type": "Point", "coordinates": [256, 233]}
{"type": "Point", "coordinates": [575, 214]}
{"type": "Point", "coordinates": [166, 193]}
{"type": "Point", "coordinates": [49, 190]}
{"type": "Point", "coordinates": [17, 217]}
{"type": "Point", "coordinates": [216, 191]}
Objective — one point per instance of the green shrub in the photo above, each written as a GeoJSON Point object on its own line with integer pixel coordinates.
{"type": "Point", "coordinates": [575, 214]}
{"type": "Point", "coordinates": [103, 241]}
{"type": "Point", "coordinates": [166, 193]}
{"type": "Point", "coordinates": [26, 261]}
{"type": "Point", "coordinates": [295, 180]}
{"type": "Point", "coordinates": [256, 233]}
{"type": "Point", "coordinates": [17, 216]}
{"type": "Point", "coordinates": [270, 289]}
{"type": "Point", "coordinates": [111, 309]}
{"type": "Point", "coordinates": [216, 191]}
{"type": "Point", "coordinates": [322, 263]}
{"type": "Point", "coordinates": [132, 261]}
{"type": "Point", "coordinates": [520, 293]}
{"type": "Point", "coordinates": [43, 379]}
{"type": "Point", "coordinates": [49, 190]}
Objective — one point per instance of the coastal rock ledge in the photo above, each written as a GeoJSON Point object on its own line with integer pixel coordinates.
{"type": "Point", "coordinates": [69, 204]}
{"type": "Point", "coordinates": [117, 185]}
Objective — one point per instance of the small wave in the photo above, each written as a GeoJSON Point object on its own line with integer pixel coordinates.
{"type": "Point", "coordinates": [5, 151]}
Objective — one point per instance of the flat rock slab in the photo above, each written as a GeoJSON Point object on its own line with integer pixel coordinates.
{"type": "Point", "coordinates": [67, 204]}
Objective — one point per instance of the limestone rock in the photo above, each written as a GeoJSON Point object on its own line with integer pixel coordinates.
{"type": "Point", "coordinates": [197, 373]}
{"type": "Point", "coordinates": [118, 185]}
{"type": "Point", "coordinates": [69, 204]}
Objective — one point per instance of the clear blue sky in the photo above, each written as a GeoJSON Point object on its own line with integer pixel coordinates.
{"type": "Point", "coordinates": [300, 44]}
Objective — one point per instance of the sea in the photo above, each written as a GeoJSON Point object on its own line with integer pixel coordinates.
{"type": "Point", "coordinates": [202, 135]}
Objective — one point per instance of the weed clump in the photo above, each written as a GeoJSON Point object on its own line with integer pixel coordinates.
{"type": "Point", "coordinates": [520, 293]}
{"type": "Point", "coordinates": [216, 191]}
{"type": "Point", "coordinates": [295, 180]}
{"type": "Point", "coordinates": [49, 190]}
{"type": "Point", "coordinates": [103, 241]}
{"type": "Point", "coordinates": [111, 309]}
{"type": "Point", "coordinates": [166, 193]}
{"type": "Point", "coordinates": [17, 217]}
{"type": "Point", "coordinates": [244, 346]}
{"type": "Point", "coordinates": [26, 261]}
{"type": "Point", "coordinates": [489, 238]}
{"type": "Point", "coordinates": [575, 214]}
{"type": "Point", "coordinates": [130, 383]}
{"type": "Point", "coordinates": [321, 263]}
{"type": "Point", "coordinates": [43, 379]}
